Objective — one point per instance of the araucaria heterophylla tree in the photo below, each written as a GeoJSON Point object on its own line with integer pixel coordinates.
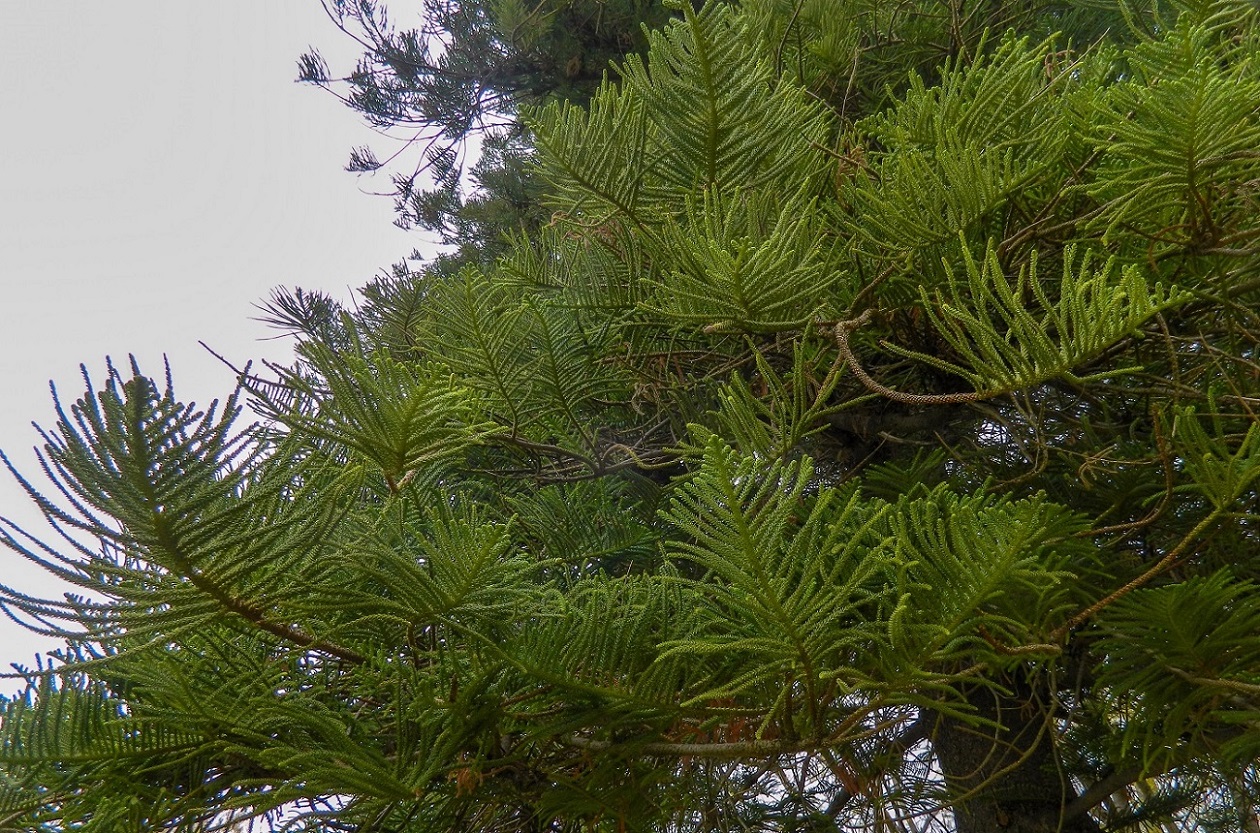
{"type": "Point", "coordinates": [866, 438]}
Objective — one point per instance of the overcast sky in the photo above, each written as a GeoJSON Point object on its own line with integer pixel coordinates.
{"type": "Point", "coordinates": [160, 173]}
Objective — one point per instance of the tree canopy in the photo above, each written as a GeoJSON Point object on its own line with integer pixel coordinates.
{"type": "Point", "coordinates": [863, 436]}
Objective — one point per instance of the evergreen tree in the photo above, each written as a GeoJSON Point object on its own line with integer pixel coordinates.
{"type": "Point", "coordinates": [458, 81]}
{"type": "Point", "coordinates": [868, 440]}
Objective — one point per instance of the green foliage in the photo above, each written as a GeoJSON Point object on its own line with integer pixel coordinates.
{"type": "Point", "coordinates": [1004, 347]}
{"type": "Point", "coordinates": [394, 416]}
{"type": "Point", "coordinates": [791, 589]}
{"type": "Point", "coordinates": [1222, 476]}
{"type": "Point", "coordinates": [700, 114]}
{"type": "Point", "coordinates": [1182, 664]}
{"type": "Point", "coordinates": [463, 72]}
{"type": "Point", "coordinates": [1181, 135]}
{"type": "Point", "coordinates": [954, 153]}
{"type": "Point", "coordinates": [744, 262]}
{"type": "Point", "coordinates": [718, 481]}
{"type": "Point", "coordinates": [777, 425]}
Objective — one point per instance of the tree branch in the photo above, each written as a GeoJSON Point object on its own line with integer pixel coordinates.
{"type": "Point", "coordinates": [842, 343]}
{"type": "Point", "coordinates": [735, 749]}
{"type": "Point", "coordinates": [1099, 791]}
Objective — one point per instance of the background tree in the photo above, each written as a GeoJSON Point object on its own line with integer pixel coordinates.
{"type": "Point", "coordinates": [457, 82]}
{"type": "Point", "coordinates": [866, 441]}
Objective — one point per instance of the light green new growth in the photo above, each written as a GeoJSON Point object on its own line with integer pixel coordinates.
{"type": "Point", "coordinates": [1009, 336]}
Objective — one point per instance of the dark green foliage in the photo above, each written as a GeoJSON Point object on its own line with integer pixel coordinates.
{"type": "Point", "coordinates": [861, 434]}
{"type": "Point", "coordinates": [462, 73]}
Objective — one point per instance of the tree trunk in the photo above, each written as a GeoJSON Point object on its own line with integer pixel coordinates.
{"type": "Point", "coordinates": [1005, 778]}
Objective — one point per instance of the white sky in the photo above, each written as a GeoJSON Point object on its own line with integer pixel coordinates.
{"type": "Point", "coordinates": [160, 173]}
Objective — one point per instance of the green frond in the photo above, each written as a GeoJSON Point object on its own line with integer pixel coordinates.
{"type": "Point", "coordinates": [600, 640]}
{"type": "Point", "coordinates": [393, 311]}
{"type": "Point", "coordinates": [78, 723]}
{"type": "Point", "coordinates": [1219, 474]}
{"type": "Point", "coordinates": [423, 568]}
{"type": "Point", "coordinates": [328, 747]}
{"type": "Point", "coordinates": [722, 120]}
{"type": "Point", "coordinates": [193, 523]}
{"type": "Point", "coordinates": [590, 526]}
{"type": "Point", "coordinates": [538, 366]}
{"type": "Point", "coordinates": [980, 576]}
{"type": "Point", "coordinates": [476, 330]}
{"type": "Point", "coordinates": [790, 407]}
{"type": "Point", "coordinates": [1002, 344]}
{"type": "Point", "coordinates": [74, 756]}
{"type": "Point", "coordinates": [791, 578]}
{"type": "Point", "coordinates": [569, 371]}
{"type": "Point", "coordinates": [596, 268]}
{"type": "Point", "coordinates": [701, 112]}
{"type": "Point", "coordinates": [1182, 663]}
{"type": "Point", "coordinates": [953, 153]}
{"type": "Point", "coordinates": [991, 102]}
{"type": "Point", "coordinates": [1228, 18]}
{"type": "Point", "coordinates": [887, 481]}
{"type": "Point", "coordinates": [829, 588]}
{"type": "Point", "coordinates": [396, 416]}
{"type": "Point", "coordinates": [594, 156]}
{"type": "Point", "coordinates": [1177, 137]}
{"type": "Point", "coordinates": [314, 315]}
{"type": "Point", "coordinates": [744, 261]}
{"type": "Point", "coordinates": [922, 198]}
{"type": "Point", "coordinates": [813, 42]}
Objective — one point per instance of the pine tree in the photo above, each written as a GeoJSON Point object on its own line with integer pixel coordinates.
{"type": "Point", "coordinates": [868, 440]}
{"type": "Point", "coordinates": [457, 82]}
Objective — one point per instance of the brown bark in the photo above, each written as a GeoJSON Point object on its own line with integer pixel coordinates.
{"type": "Point", "coordinates": [1006, 777]}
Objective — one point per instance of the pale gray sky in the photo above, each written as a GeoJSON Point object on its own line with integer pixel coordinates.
{"type": "Point", "coordinates": [160, 173]}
